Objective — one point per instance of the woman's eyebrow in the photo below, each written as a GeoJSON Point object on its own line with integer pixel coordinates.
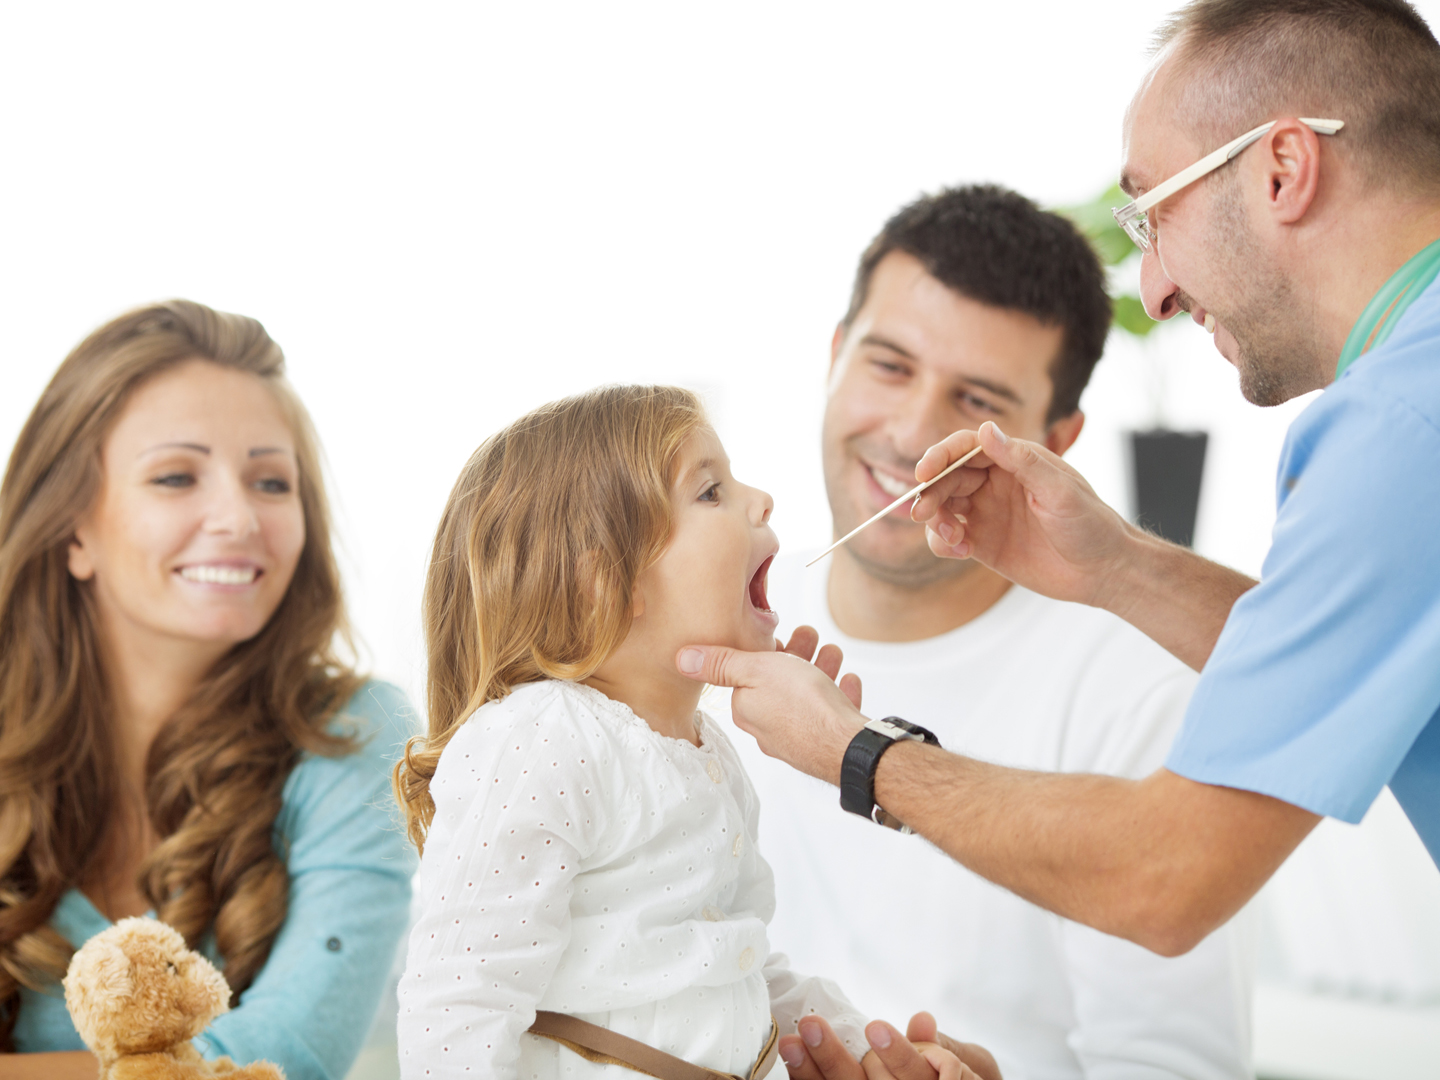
{"type": "Point", "coordinates": [175, 446]}
{"type": "Point", "coordinates": [261, 451]}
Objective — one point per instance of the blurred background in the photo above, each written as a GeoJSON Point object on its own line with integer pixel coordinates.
{"type": "Point", "coordinates": [448, 213]}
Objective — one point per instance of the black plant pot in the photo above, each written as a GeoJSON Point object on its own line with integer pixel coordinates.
{"type": "Point", "coordinates": [1165, 472]}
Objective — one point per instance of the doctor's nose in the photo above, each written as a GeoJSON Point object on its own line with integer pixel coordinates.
{"type": "Point", "coordinates": [1158, 293]}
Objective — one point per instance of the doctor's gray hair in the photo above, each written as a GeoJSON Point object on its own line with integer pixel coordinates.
{"type": "Point", "coordinates": [1374, 64]}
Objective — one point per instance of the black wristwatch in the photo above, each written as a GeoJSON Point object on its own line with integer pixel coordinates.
{"type": "Point", "coordinates": [862, 758]}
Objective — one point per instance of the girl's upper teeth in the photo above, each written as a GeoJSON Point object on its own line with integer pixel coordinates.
{"type": "Point", "coordinates": [889, 484]}
{"type": "Point", "coordinates": [219, 575]}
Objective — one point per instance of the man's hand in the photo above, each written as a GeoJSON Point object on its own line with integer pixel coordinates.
{"type": "Point", "coordinates": [1032, 518]}
{"type": "Point", "coordinates": [794, 708]}
{"type": "Point", "coordinates": [818, 1054]}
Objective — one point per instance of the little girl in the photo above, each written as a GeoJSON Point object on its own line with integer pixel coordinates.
{"type": "Point", "coordinates": [588, 836]}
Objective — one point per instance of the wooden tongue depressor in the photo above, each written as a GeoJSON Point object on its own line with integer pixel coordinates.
{"type": "Point", "coordinates": [911, 494]}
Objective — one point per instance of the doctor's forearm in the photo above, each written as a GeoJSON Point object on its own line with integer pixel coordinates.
{"type": "Point", "coordinates": [1161, 861]}
{"type": "Point", "coordinates": [1175, 597]}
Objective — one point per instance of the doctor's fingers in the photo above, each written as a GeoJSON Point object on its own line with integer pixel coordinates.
{"type": "Point", "coordinates": [802, 642]}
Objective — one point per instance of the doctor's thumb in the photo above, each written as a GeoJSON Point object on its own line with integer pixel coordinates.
{"type": "Point", "coordinates": [713, 664]}
{"type": "Point", "coordinates": [1015, 456]}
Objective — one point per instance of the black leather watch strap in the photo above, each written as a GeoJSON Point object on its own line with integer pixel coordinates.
{"type": "Point", "coordinates": [862, 758]}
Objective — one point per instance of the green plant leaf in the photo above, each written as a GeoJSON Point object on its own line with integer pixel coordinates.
{"type": "Point", "coordinates": [1130, 316]}
{"type": "Point", "coordinates": [1114, 247]}
{"type": "Point", "coordinates": [1095, 220]}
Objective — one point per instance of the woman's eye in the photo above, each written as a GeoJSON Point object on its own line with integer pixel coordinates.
{"type": "Point", "coordinates": [174, 480]}
{"type": "Point", "coordinates": [274, 486]}
{"type": "Point", "coordinates": [711, 493]}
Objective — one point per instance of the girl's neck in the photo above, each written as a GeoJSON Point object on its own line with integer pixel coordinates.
{"type": "Point", "coordinates": [665, 700]}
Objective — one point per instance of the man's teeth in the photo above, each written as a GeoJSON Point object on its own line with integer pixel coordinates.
{"type": "Point", "coordinates": [888, 484]}
{"type": "Point", "coordinates": [219, 575]}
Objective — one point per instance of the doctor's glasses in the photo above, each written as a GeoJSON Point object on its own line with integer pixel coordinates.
{"type": "Point", "coordinates": [1133, 216]}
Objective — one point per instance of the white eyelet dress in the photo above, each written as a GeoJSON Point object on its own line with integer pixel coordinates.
{"type": "Point", "coordinates": [581, 863]}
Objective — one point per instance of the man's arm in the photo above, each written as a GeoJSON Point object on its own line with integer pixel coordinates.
{"type": "Point", "coordinates": [1030, 517]}
{"type": "Point", "coordinates": [1160, 861]}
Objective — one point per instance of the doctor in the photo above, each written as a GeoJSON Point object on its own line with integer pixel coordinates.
{"type": "Point", "coordinates": [1311, 250]}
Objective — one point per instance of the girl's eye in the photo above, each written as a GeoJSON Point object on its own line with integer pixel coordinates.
{"type": "Point", "coordinates": [711, 494]}
{"type": "Point", "coordinates": [274, 486]}
{"type": "Point", "coordinates": [174, 480]}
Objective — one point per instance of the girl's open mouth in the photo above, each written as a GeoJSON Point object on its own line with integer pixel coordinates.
{"type": "Point", "coordinates": [757, 587]}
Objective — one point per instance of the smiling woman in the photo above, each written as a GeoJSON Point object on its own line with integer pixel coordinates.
{"type": "Point", "coordinates": [177, 733]}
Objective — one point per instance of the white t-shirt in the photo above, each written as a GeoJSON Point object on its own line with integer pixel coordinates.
{"type": "Point", "coordinates": [580, 863]}
{"type": "Point", "coordinates": [1031, 683]}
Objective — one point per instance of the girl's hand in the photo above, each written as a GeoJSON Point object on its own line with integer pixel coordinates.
{"type": "Point", "coordinates": [818, 1054]}
{"type": "Point", "coordinates": [943, 1064]}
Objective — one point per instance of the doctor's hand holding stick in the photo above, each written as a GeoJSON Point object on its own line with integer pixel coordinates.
{"type": "Point", "coordinates": [1026, 514]}
{"type": "Point", "coordinates": [1161, 861]}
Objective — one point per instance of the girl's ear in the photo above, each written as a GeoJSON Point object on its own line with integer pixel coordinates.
{"type": "Point", "coordinates": [637, 601]}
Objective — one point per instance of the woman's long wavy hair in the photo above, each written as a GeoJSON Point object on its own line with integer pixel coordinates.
{"type": "Point", "coordinates": [215, 772]}
{"type": "Point", "coordinates": [536, 558]}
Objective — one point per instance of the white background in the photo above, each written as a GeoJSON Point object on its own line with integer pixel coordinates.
{"type": "Point", "coordinates": [447, 214]}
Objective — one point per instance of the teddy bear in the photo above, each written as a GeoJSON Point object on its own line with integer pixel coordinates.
{"type": "Point", "coordinates": [137, 996]}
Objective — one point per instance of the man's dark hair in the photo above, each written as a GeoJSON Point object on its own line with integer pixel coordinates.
{"type": "Point", "coordinates": [999, 248]}
{"type": "Point", "coordinates": [1371, 63]}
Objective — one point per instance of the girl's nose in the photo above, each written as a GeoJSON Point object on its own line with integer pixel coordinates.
{"type": "Point", "coordinates": [765, 504]}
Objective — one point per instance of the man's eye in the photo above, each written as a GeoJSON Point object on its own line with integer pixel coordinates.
{"type": "Point", "coordinates": [274, 486]}
{"type": "Point", "coordinates": [978, 404]}
{"type": "Point", "coordinates": [711, 493]}
{"type": "Point", "coordinates": [174, 480]}
{"type": "Point", "coordinates": [889, 367]}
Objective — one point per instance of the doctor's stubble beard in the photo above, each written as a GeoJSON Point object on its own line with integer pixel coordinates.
{"type": "Point", "coordinates": [1276, 347]}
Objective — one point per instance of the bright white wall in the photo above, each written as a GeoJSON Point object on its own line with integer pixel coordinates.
{"type": "Point", "coordinates": [448, 213]}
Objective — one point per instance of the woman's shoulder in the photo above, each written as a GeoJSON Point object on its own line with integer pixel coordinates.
{"type": "Point", "coordinates": [379, 717]}
{"type": "Point", "coordinates": [378, 720]}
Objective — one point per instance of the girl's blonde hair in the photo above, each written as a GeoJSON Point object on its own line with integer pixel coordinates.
{"type": "Point", "coordinates": [215, 772]}
{"type": "Point", "coordinates": [536, 558]}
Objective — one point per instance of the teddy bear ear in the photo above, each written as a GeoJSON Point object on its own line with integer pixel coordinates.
{"type": "Point", "coordinates": [99, 978]}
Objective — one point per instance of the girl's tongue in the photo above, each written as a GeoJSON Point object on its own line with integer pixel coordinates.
{"type": "Point", "coordinates": [757, 585]}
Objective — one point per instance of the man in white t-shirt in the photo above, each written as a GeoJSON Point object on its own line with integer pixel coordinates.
{"type": "Point", "coordinates": [974, 305]}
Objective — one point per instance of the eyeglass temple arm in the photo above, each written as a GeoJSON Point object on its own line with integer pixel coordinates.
{"type": "Point", "coordinates": [1212, 161]}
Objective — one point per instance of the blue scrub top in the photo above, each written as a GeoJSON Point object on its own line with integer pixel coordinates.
{"type": "Point", "coordinates": [310, 1007]}
{"type": "Point", "coordinates": [1325, 683]}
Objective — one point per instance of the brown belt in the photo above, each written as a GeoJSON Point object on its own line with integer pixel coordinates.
{"type": "Point", "coordinates": [605, 1047]}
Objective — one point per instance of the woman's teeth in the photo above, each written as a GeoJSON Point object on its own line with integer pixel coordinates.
{"type": "Point", "coordinates": [220, 575]}
{"type": "Point", "coordinates": [889, 485]}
